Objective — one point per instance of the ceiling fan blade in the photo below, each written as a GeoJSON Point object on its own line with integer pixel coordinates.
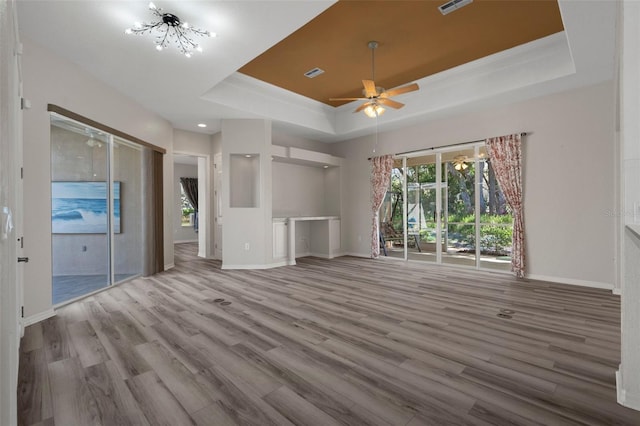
{"type": "Point", "coordinates": [400, 90]}
{"type": "Point", "coordinates": [390, 103]}
{"type": "Point", "coordinates": [363, 106]}
{"type": "Point", "coordinates": [369, 88]}
{"type": "Point", "coordinates": [348, 99]}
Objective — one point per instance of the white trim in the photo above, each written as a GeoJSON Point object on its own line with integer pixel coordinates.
{"type": "Point", "coordinates": [265, 266]}
{"type": "Point", "coordinates": [279, 264]}
{"type": "Point", "coordinates": [169, 266]}
{"type": "Point", "coordinates": [356, 254]}
{"type": "Point", "coordinates": [572, 281]}
{"type": "Point", "coordinates": [617, 291]}
{"type": "Point", "coordinates": [619, 388]}
{"type": "Point", "coordinates": [626, 399]}
{"type": "Point", "coordinates": [38, 317]}
{"type": "Point", "coordinates": [557, 280]}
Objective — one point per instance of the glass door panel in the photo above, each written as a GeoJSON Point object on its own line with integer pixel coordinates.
{"type": "Point", "coordinates": [496, 222]}
{"type": "Point", "coordinates": [126, 210]}
{"type": "Point", "coordinates": [391, 216]}
{"type": "Point", "coordinates": [79, 213]}
{"type": "Point", "coordinates": [422, 208]}
{"type": "Point", "coordinates": [460, 220]}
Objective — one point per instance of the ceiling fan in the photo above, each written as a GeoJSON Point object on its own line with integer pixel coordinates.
{"type": "Point", "coordinates": [376, 96]}
{"type": "Point", "coordinates": [460, 162]}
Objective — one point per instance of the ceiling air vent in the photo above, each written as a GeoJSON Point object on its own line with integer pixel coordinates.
{"type": "Point", "coordinates": [313, 72]}
{"type": "Point", "coordinates": [452, 5]}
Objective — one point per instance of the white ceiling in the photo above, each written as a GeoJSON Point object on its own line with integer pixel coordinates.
{"type": "Point", "coordinates": [206, 87]}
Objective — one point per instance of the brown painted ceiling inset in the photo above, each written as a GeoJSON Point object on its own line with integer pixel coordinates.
{"type": "Point", "coordinates": [415, 41]}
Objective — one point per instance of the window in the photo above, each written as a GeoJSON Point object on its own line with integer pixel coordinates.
{"type": "Point", "coordinates": [188, 212]}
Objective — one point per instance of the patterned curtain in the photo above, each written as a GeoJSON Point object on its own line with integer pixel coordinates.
{"type": "Point", "coordinates": [506, 159]}
{"type": "Point", "coordinates": [190, 186]}
{"type": "Point", "coordinates": [380, 174]}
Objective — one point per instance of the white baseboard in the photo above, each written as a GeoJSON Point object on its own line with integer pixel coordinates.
{"type": "Point", "coordinates": [625, 398]}
{"type": "Point", "coordinates": [169, 266]}
{"type": "Point", "coordinates": [265, 266]}
{"type": "Point", "coordinates": [38, 317]}
{"type": "Point", "coordinates": [321, 255]}
{"type": "Point", "coordinates": [354, 254]}
{"type": "Point", "coordinates": [571, 281]}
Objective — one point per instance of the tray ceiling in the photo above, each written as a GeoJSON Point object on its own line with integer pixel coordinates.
{"type": "Point", "coordinates": [415, 41]}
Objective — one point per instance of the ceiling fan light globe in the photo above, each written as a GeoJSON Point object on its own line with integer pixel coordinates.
{"type": "Point", "coordinates": [373, 111]}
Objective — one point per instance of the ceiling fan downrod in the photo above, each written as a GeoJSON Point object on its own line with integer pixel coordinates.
{"type": "Point", "coordinates": [373, 45]}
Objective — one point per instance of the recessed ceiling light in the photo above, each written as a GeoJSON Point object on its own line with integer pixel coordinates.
{"type": "Point", "coordinates": [325, 166]}
{"type": "Point", "coordinates": [202, 125]}
{"type": "Point", "coordinates": [248, 155]}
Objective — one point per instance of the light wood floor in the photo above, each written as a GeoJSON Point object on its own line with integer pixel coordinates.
{"type": "Point", "coordinates": [345, 341]}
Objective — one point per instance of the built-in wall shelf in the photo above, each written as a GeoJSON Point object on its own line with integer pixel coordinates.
{"type": "Point", "coordinates": [301, 156]}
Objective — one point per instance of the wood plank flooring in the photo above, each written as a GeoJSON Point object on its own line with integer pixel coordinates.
{"type": "Point", "coordinates": [346, 341]}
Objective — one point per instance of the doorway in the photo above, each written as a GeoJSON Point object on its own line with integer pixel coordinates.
{"type": "Point", "coordinates": [192, 203]}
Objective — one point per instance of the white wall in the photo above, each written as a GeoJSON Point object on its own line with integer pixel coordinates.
{"type": "Point", "coordinates": [284, 139]}
{"type": "Point", "coordinates": [297, 190]}
{"type": "Point", "coordinates": [568, 178]}
{"type": "Point", "coordinates": [247, 232]}
{"type": "Point", "coordinates": [182, 233]}
{"type": "Point", "coordinates": [50, 79]}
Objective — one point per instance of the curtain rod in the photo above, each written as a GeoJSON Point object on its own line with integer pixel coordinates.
{"type": "Point", "coordinates": [443, 146]}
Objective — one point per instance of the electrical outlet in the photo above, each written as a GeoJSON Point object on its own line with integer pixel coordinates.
{"type": "Point", "coordinates": [246, 246]}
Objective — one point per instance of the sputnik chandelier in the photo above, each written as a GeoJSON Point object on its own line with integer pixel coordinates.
{"type": "Point", "coordinates": [170, 29]}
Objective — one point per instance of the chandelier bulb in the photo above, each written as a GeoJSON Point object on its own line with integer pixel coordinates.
{"type": "Point", "coordinates": [128, 31]}
{"type": "Point", "coordinates": [152, 6]}
{"type": "Point", "coordinates": [199, 48]}
{"type": "Point", "coordinates": [158, 47]}
{"type": "Point", "coordinates": [137, 25]}
{"type": "Point", "coordinates": [185, 25]}
{"type": "Point", "coordinates": [188, 54]}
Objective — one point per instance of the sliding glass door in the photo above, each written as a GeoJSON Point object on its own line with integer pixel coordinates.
{"type": "Point", "coordinates": [455, 211]}
{"type": "Point", "coordinates": [96, 230]}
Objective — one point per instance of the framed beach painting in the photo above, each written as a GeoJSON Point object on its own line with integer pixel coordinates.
{"type": "Point", "coordinates": [81, 207]}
